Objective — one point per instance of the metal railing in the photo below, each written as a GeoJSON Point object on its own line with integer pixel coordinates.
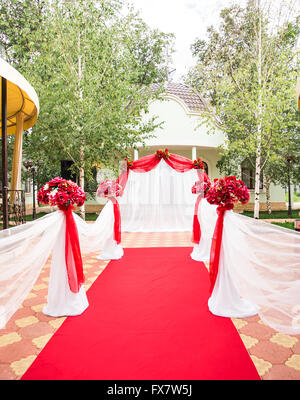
{"type": "Point", "coordinates": [16, 207]}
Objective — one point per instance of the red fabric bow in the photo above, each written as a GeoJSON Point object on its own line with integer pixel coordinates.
{"type": "Point", "coordinates": [196, 224]}
{"type": "Point", "coordinates": [72, 252]}
{"type": "Point", "coordinates": [216, 245]}
{"type": "Point", "coordinates": [117, 220]}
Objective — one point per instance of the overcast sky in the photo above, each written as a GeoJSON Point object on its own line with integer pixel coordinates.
{"type": "Point", "coordinates": [187, 19]}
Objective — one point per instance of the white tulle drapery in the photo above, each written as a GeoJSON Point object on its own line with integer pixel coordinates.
{"type": "Point", "coordinates": [24, 250]}
{"type": "Point", "coordinates": [259, 271]}
{"type": "Point", "coordinates": [99, 236]}
{"type": "Point", "coordinates": [159, 200]}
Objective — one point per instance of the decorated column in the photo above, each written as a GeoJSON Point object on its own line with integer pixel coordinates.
{"type": "Point", "coordinates": [224, 296]}
{"type": "Point", "coordinates": [66, 293]}
{"type": "Point", "coordinates": [112, 249]}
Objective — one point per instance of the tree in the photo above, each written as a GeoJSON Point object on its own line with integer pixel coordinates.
{"type": "Point", "coordinates": [92, 65]}
{"type": "Point", "coordinates": [247, 72]}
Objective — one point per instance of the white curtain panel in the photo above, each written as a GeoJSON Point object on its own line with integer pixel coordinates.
{"type": "Point", "coordinates": [158, 201]}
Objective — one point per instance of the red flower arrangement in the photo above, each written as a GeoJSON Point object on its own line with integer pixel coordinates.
{"type": "Point", "coordinates": [198, 164]}
{"type": "Point", "coordinates": [227, 191]}
{"type": "Point", "coordinates": [109, 188]}
{"type": "Point", "coordinates": [129, 163]}
{"type": "Point", "coordinates": [62, 193]}
{"type": "Point", "coordinates": [202, 186]}
{"type": "Point", "coordinates": [162, 153]}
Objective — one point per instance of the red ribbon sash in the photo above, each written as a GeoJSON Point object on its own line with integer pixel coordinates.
{"type": "Point", "coordinates": [216, 245]}
{"type": "Point", "coordinates": [196, 224]}
{"type": "Point", "coordinates": [117, 220]}
{"type": "Point", "coordinates": [72, 253]}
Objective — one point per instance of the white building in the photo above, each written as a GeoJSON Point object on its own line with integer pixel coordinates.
{"type": "Point", "coordinates": [181, 132]}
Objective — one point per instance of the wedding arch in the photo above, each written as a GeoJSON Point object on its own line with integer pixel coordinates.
{"type": "Point", "coordinates": [156, 193]}
{"type": "Point", "coordinates": [152, 194]}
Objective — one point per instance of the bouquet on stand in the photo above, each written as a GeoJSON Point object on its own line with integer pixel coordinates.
{"type": "Point", "coordinates": [62, 193]}
{"type": "Point", "coordinates": [111, 190]}
{"type": "Point", "coordinates": [200, 188]}
{"type": "Point", "coordinates": [65, 298]}
{"type": "Point", "coordinates": [227, 191]}
{"type": "Point", "coordinates": [66, 194]}
{"type": "Point", "coordinates": [224, 192]}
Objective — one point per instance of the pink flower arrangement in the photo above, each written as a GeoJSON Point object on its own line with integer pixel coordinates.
{"type": "Point", "coordinates": [202, 186]}
{"type": "Point", "coordinates": [162, 154]}
{"type": "Point", "coordinates": [62, 193]}
{"type": "Point", "coordinates": [109, 188]}
{"type": "Point", "coordinates": [228, 190]}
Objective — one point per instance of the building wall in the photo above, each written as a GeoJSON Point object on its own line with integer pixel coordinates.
{"type": "Point", "coordinates": [180, 126]}
{"type": "Point", "coordinates": [181, 131]}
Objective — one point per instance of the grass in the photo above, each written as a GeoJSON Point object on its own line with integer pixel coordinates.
{"type": "Point", "coordinates": [296, 197]}
{"type": "Point", "coordinates": [88, 216]}
{"type": "Point", "coordinates": [289, 225]}
{"type": "Point", "coordinates": [281, 214]}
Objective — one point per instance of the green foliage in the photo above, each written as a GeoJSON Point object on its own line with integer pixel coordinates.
{"type": "Point", "coordinates": [92, 64]}
{"type": "Point", "coordinates": [228, 74]}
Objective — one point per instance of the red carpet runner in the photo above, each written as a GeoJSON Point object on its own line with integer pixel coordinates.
{"type": "Point", "coordinates": [148, 319]}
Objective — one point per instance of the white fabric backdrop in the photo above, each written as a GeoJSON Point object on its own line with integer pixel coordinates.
{"type": "Point", "coordinates": [158, 201]}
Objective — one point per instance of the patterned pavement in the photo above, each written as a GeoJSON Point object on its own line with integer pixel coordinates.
{"type": "Point", "coordinates": [275, 355]}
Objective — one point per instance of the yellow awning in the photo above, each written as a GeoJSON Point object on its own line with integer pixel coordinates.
{"type": "Point", "coordinates": [21, 97]}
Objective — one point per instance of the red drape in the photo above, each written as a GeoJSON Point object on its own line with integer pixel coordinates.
{"type": "Point", "coordinates": [216, 245]}
{"type": "Point", "coordinates": [196, 224]}
{"type": "Point", "coordinates": [117, 220]}
{"type": "Point", "coordinates": [72, 253]}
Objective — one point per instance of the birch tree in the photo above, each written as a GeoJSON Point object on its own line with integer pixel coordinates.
{"type": "Point", "coordinates": [247, 72]}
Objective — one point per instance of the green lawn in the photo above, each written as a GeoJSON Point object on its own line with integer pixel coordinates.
{"type": "Point", "coordinates": [274, 215]}
{"type": "Point", "coordinates": [88, 216]}
{"type": "Point", "coordinates": [289, 225]}
{"type": "Point", "coordinates": [296, 197]}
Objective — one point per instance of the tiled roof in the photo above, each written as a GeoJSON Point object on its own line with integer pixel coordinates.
{"type": "Point", "coordinates": [191, 98]}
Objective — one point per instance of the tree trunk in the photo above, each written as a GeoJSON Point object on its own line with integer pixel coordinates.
{"type": "Point", "coordinates": [81, 184]}
{"type": "Point", "coordinates": [257, 181]}
{"type": "Point", "coordinates": [81, 169]}
{"type": "Point", "coordinates": [268, 195]}
{"type": "Point", "coordinates": [259, 118]}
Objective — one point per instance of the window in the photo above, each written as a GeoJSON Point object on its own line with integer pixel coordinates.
{"type": "Point", "coordinates": [248, 175]}
{"type": "Point", "coordinates": [205, 167]}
